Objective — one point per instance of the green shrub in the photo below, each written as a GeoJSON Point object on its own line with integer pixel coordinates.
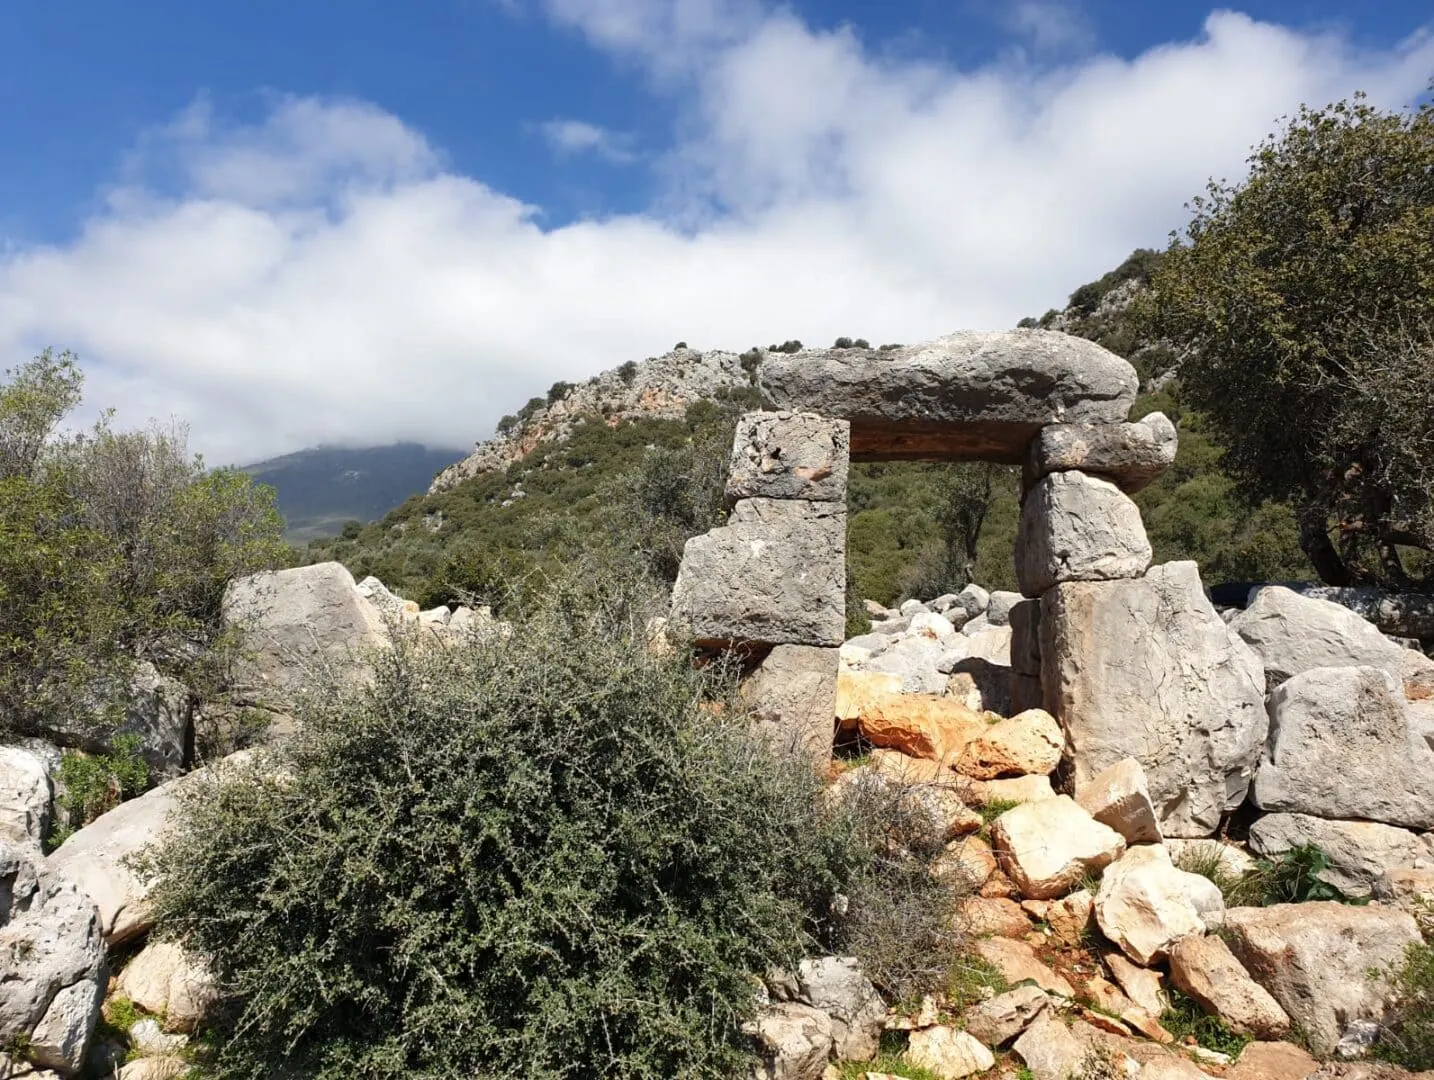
{"type": "Point", "coordinates": [843, 343]}
{"type": "Point", "coordinates": [1408, 1035]}
{"type": "Point", "coordinates": [91, 784]}
{"type": "Point", "coordinates": [548, 856]}
{"type": "Point", "coordinates": [1186, 1019]}
{"type": "Point", "coordinates": [627, 372]}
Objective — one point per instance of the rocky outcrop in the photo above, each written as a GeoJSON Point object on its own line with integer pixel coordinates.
{"type": "Point", "coordinates": [970, 394]}
{"type": "Point", "coordinates": [1323, 962]}
{"type": "Point", "coordinates": [1341, 747]}
{"type": "Point", "coordinates": [25, 796]}
{"type": "Point", "coordinates": [52, 980]}
{"type": "Point", "coordinates": [1294, 633]}
{"type": "Point", "coordinates": [1146, 669]}
{"type": "Point", "coordinates": [1076, 527]}
{"type": "Point", "coordinates": [774, 574]}
{"type": "Point", "coordinates": [300, 626]}
{"type": "Point", "coordinates": [1359, 852]}
{"type": "Point", "coordinates": [1130, 455]}
{"type": "Point", "coordinates": [1204, 968]}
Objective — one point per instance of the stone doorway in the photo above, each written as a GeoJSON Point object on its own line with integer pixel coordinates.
{"type": "Point", "coordinates": [1132, 660]}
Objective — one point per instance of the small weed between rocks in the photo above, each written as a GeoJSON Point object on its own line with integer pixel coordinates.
{"type": "Point", "coordinates": [1408, 1037]}
{"type": "Point", "coordinates": [1290, 878]}
{"type": "Point", "coordinates": [970, 980]}
{"type": "Point", "coordinates": [888, 1060]}
{"type": "Point", "coordinates": [1099, 1063]}
{"type": "Point", "coordinates": [1185, 1018]}
{"type": "Point", "coordinates": [990, 812]}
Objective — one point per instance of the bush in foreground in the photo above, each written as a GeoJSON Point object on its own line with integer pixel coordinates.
{"type": "Point", "coordinates": [550, 855]}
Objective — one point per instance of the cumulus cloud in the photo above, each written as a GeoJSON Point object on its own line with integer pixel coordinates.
{"type": "Point", "coordinates": [581, 137]}
{"type": "Point", "coordinates": [324, 276]}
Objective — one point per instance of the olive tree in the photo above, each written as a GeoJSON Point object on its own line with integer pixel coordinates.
{"type": "Point", "coordinates": [1303, 297]}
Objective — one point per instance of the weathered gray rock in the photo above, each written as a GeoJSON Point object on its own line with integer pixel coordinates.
{"type": "Point", "coordinates": [52, 980]}
{"type": "Point", "coordinates": [1402, 614]}
{"type": "Point", "coordinates": [1000, 1019]}
{"type": "Point", "coordinates": [795, 1041]}
{"type": "Point", "coordinates": [774, 574]}
{"type": "Point", "coordinates": [1120, 797]}
{"type": "Point", "coordinates": [1049, 1049]}
{"type": "Point", "coordinates": [998, 608]}
{"type": "Point", "coordinates": [792, 698]}
{"type": "Point", "coordinates": [1322, 961]}
{"type": "Point", "coordinates": [1131, 455]}
{"type": "Point", "coordinates": [973, 600]}
{"type": "Point", "coordinates": [1076, 527]}
{"type": "Point", "coordinates": [836, 985]}
{"type": "Point", "coordinates": [787, 455]}
{"type": "Point", "coordinates": [1144, 903]}
{"type": "Point", "coordinates": [298, 624]}
{"type": "Point", "coordinates": [1360, 852]}
{"type": "Point", "coordinates": [1294, 633]}
{"type": "Point", "coordinates": [1340, 747]}
{"type": "Point", "coordinates": [1204, 968]}
{"type": "Point", "coordinates": [970, 394]}
{"type": "Point", "coordinates": [917, 660]}
{"type": "Point", "coordinates": [25, 796]}
{"type": "Point", "coordinates": [1025, 623]}
{"type": "Point", "coordinates": [154, 709]}
{"type": "Point", "coordinates": [1146, 669]}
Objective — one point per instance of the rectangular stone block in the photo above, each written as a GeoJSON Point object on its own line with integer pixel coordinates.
{"type": "Point", "coordinates": [792, 698]}
{"type": "Point", "coordinates": [789, 455]}
{"type": "Point", "coordinates": [775, 574]}
{"type": "Point", "coordinates": [1076, 527]}
{"type": "Point", "coordinates": [1131, 455]}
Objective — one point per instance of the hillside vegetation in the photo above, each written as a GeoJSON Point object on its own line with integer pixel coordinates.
{"type": "Point", "coordinates": [915, 528]}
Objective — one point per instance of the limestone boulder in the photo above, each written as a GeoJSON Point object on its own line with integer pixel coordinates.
{"type": "Point", "coordinates": [1294, 633]}
{"type": "Point", "coordinates": [1076, 527]}
{"type": "Point", "coordinates": [787, 455]}
{"type": "Point", "coordinates": [1015, 789]}
{"type": "Point", "coordinates": [154, 1068]}
{"type": "Point", "coordinates": [1049, 1050]}
{"type": "Point", "coordinates": [1024, 745]}
{"type": "Point", "coordinates": [152, 709]}
{"type": "Point", "coordinates": [836, 985]}
{"type": "Point", "coordinates": [53, 978]}
{"type": "Point", "coordinates": [1120, 797]}
{"type": "Point", "coordinates": [795, 1041]}
{"type": "Point", "coordinates": [1273, 1061]}
{"type": "Point", "coordinates": [948, 1052]}
{"type": "Point", "coordinates": [1359, 852]}
{"type": "Point", "coordinates": [1142, 985]}
{"type": "Point", "coordinates": [1341, 747]}
{"type": "Point", "coordinates": [1408, 615]}
{"type": "Point", "coordinates": [970, 861]}
{"type": "Point", "coordinates": [1205, 968]}
{"type": "Point", "coordinates": [775, 574]}
{"type": "Point", "coordinates": [999, 607]}
{"type": "Point", "coordinates": [921, 725]}
{"type": "Point", "coordinates": [1131, 455]}
{"type": "Point", "coordinates": [860, 691]}
{"type": "Point", "coordinates": [300, 624]}
{"type": "Point", "coordinates": [1017, 962]}
{"type": "Point", "coordinates": [791, 696]}
{"type": "Point", "coordinates": [916, 660]}
{"type": "Point", "coordinates": [970, 394]}
{"type": "Point", "coordinates": [1191, 711]}
{"type": "Point", "coordinates": [1046, 847]}
{"type": "Point", "coordinates": [25, 796]}
{"type": "Point", "coordinates": [1144, 903]}
{"type": "Point", "coordinates": [1321, 961]}
{"type": "Point", "coordinates": [1000, 1019]}
{"type": "Point", "coordinates": [165, 980]}
{"type": "Point", "coordinates": [992, 915]}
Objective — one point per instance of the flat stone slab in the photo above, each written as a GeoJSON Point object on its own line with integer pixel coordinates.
{"type": "Point", "coordinates": [775, 574]}
{"type": "Point", "coordinates": [982, 394]}
{"type": "Point", "coordinates": [1131, 455]}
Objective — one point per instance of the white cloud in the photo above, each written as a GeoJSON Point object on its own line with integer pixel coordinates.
{"type": "Point", "coordinates": [323, 276]}
{"type": "Point", "coordinates": [581, 137]}
{"type": "Point", "coordinates": [1051, 26]}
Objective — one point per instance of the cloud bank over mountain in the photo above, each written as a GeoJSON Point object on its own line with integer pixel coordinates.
{"type": "Point", "coordinates": [325, 276]}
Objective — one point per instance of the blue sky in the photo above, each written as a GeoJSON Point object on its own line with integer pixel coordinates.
{"type": "Point", "coordinates": [293, 223]}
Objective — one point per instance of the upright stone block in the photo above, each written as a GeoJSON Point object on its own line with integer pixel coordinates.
{"type": "Point", "coordinates": [788, 455]}
{"type": "Point", "coordinates": [775, 574]}
{"type": "Point", "coordinates": [1076, 527]}
{"type": "Point", "coordinates": [792, 698]}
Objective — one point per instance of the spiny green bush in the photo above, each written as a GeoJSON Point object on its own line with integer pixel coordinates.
{"type": "Point", "coordinates": [91, 784]}
{"type": "Point", "coordinates": [1408, 1035]}
{"type": "Point", "coordinates": [551, 854]}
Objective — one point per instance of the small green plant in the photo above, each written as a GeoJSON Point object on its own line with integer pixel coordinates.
{"type": "Point", "coordinates": [1408, 1035]}
{"type": "Point", "coordinates": [1185, 1018]}
{"type": "Point", "coordinates": [1290, 878]}
{"type": "Point", "coordinates": [95, 783]}
{"type": "Point", "coordinates": [994, 809]}
{"type": "Point", "coordinates": [842, 343]}
{"type": "Point", "coordinates": [1023, 1072]}
{"type": "Point", "coordinates": [751, 360]}
{"type": "Point", "coordinates": [971, 979]}
{"type": "Point", "coordinates": [888, 1060]}
{"type": "Point", "coordinates": [1208, 861]}
{"type": "Point", "coordinates": [627, 372]}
